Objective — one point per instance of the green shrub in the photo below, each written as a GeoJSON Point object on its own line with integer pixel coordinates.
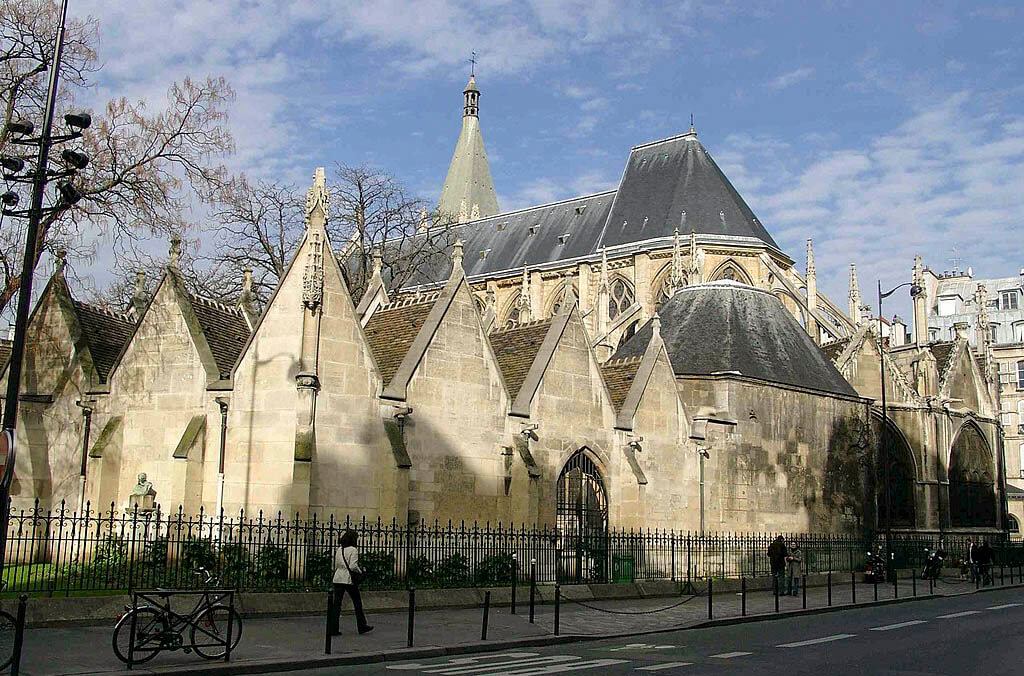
{"type": "Point", "coordinates": [420, 572]}
{"type": "Point", "coordinates": [155, 553]}
{"type": "Point", "coordinates": [453, 571]}
{"type": "Point", "coordinates": [496, 569]}
{"type": "Point", "coordinates": [320, 567]}
{"type": "Point", "coordinates": [272, 563]}
{"type": "Point", "coordinates": [379, 568]}
{"type": "Point", "coordinates": [197, 554]}
{"type": "Point", "coordinates": [236, 564]}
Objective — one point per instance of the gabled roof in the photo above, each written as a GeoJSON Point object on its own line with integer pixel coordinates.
{"type": "Point", "coordinates": [943, 353]}
{"type": "Point", "coordinates": [674, 183]}
{"type": "Point", "coordinates": [105, 332]}
{"type": "Point", "coordinates": [225, 328]}
{"type": "Point", "coordinates": [392, 329]}
{"type": "Point", "coordinates": [618, 375]}
{"type": "Point", "coordinates": [724, 327]}
{"type": "Point", "coordinates": [836, 347]}
{"type": "Point", "coordinates": [516, 349]}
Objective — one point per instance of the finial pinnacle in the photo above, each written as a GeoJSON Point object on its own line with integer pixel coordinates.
{"type": "Point", "coordinates": [174, 253]}
{"type": "Point", "coordinates": [61, 256]}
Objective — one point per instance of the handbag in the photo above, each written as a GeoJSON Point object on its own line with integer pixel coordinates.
{"type": "Point", "coordinates": [357, 577]}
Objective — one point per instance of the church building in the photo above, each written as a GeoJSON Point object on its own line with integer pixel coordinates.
{"type": "Point", "coordinates": [646, 357]}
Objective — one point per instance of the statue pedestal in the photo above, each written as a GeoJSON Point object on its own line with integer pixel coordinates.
{"type": "Point", "coordinates": [143, 503]}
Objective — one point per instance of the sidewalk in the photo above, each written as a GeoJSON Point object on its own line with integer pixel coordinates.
{"type": "Point", "coordinates": [290, 643]}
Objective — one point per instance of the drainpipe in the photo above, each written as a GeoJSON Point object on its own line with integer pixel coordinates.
{"type": "Point", "coordinates": [223, 403]}
{"type": "Point", "coordinates": [86, 407]}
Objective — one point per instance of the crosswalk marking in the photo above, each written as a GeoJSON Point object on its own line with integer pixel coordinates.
{"type": "Point", "coordinates": [962, 614]}
{"type": "Point", "coordinates": [450, 670]}
{"type": "Point", "coordinates": [558, 668]}
{"type": "Point", "coordinates": [508, 664]}
{"type": "Point", "coordinates": [898, 625]}
{"type": "Point", "coordinates": [814, 641]}
{"type": "Point", "coordinates": [1005, 605]}
{"type": "Point", "coordinates": [729, 656]}
{"type": "Point", "coordinates": [667, 665]}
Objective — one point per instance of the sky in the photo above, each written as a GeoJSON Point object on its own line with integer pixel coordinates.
{"type": "Point", "coordinates": [880, 130]}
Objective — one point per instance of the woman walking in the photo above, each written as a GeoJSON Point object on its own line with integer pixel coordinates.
{"type": "Point", "coordinates": [347, 576]}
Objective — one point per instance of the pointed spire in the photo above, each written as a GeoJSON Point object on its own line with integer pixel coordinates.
{"type": "Point", "coordinates": [677, 272]}
{"type": "Point", "coordinates": [139, 297]}
{"type": "Point", "coordinates": [174, 253]}
{"type": "Point", "coordinates": [422, 226]}
{"type": "Point", "coordinates": [525, 309]}
{"type": "Point", "coordinates": [695, 275]}
{"type": "Point", "coordinates": [468, 186]}
{"type": "Point", "coordinates": [810, 258]}
{"type": "Point", "coordinates": [656, 325]}
{"type": "Point", "coordinates": [316, 200]}
{"type": "Point", "coordinates": [457, 256]}
{"type": "Point", "coordinates": [568, 295]}
{"type": "Point", "coordinates": [983, 331]}
{"type": "Point", "coordinates": [378, 262]}
{"type": "Point", "coordinates": [854, 296]}
{"type": "Point", "coordinates": [604, 280]}
{"type": "Point", "coordinates": [812, 294]}
{"type": "Point", "coordinates": [920, 304]}
{"type": "Point", "coordinates": [246, 298]}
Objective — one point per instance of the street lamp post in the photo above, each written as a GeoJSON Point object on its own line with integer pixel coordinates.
{"type": "Point", "coordinates": [21, 132]}
{"type": "Point", "coordinates": [886, 461]}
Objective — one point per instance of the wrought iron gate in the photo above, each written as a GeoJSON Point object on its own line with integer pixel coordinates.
{"type": "Point", "coordinates": [582, 521]}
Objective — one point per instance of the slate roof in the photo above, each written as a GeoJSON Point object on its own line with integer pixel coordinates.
{"type": "Point", "coordinates": [943, 352]}
{"type": "Point", "coordinates": [619, 375]}
{"type": "Point", "coordinates": [105, 332]}
{"type": "Point", "coordinates": [225, 329]}
{"type": "Point", "coordinates": [662, 179]}
{"type": "Point", "coordinates": [727, 326]}
{"type": "Point", "coordinates": [515, 349]}
{"type": "Point", "coordinates": [392, 329]}
{"type": "Point", "coordinates": [674, 183]}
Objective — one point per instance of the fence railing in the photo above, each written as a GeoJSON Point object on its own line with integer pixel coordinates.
{"type": "Point", "coordinates": [61, 552]}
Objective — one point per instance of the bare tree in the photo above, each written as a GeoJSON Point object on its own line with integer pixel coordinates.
{"type": "Point", "coordinates": [142, 165]}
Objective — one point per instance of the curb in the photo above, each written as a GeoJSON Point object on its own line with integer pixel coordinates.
{"type": "Point", "coordinates": [428, 652]}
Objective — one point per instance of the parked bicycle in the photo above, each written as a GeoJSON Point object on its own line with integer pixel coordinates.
{"type": "Point", "coordinates": [158, 627]}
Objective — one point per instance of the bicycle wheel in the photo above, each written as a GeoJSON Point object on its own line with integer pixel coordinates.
{"type": "Point", "coordinates": [7, 628]}
{"type": "Point", "coordinates": [210, 627]}
{"type": "Point", "coordinates": [149, 628]}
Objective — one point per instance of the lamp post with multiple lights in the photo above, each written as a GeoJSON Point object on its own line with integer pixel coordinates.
{"type": "Point", "coordinates": [21, 134]}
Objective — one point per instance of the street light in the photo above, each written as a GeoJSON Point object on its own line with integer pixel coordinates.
{"type": "Point", "coordinates": [915, 290]}
{"type": "Point", "coordinates": [78, 121]}
{"type": "Point", "coordinates": [21, 127]}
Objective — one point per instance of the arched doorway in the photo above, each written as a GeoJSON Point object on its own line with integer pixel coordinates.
{"type": "Point", "coordinates": [895, 450]}
{"type": "Point", "coordinates": [582, 519]}
{"type": "Point", "coordinates": [972, 498]}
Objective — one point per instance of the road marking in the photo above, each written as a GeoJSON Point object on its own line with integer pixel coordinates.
{"type": "Point", "coordinates": [899, 625]}
{"type": "Point", "coordinates": [461, 662]}
{"type": "Point", "coordinates": [1005, 605]}
{"type": "Point", "coordinates": [667, 665]}
{"type": "Point", "coordinates": [729, 656]}
{"type": "Point", "coordinates": [963, 614]}
{"type": "Point", "coordinates": [641, 646]}
{"type": "Point", "coordinates": [814, 641]}
{"type": "Point", "coordinates": [558, 668]}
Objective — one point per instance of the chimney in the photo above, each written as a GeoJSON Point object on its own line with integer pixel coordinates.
{"type": "Point", "coordinates": [960, 329]}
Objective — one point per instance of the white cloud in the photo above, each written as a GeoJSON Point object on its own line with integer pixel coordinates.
{"type": "Point", "coordinates": [790, 78]}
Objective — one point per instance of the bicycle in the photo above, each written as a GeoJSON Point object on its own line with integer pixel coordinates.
{"type": "Point", "coordinates": [157, 627]}
{"type": "Point", "coordinates": [8, 632]}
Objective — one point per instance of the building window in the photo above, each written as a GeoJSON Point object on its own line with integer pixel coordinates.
{"type": "Point", "coordinates": [947, 307]}
{"type": "Point", "coordinates": [1008, 300]}
{"type": "Point", "coordinates": [1020, 375]}
{"type": "Point", "coordinates": [993, 333]}
{"type": "Point", "coordinates": [1018, 332]}
{"type": "Point", "coordinates": [620, 298]}
{"type": "Point", "coordinates": [933, 335]}
{"type": "Point", "coordinates": [1012, 525]}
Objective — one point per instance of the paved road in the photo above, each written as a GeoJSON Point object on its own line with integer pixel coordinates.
{"type": "Point", "coordinates": [976, 633]}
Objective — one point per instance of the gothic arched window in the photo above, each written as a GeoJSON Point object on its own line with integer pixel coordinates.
{"type": "Point", "coordinates": [556, 307]}
{"type": "Point", "coordinates": [620, 297]}
{"type": "Point", "coordinates": [512, 313]}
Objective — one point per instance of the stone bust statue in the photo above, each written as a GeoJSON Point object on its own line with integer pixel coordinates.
{"type": "Point", "coordinates": [143, 496]}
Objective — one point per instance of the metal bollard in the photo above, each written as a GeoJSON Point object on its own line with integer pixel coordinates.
{"type": "Point", "coordinates": [895, 584]}
{"type": "Point", "coordinates": [775, 590]}
{"type": "Point", "coordinates": [874, 580]}
{"type": "Point", "coordinates": [853, 587]}
{"type": "Point", "coordinates": [830, 589]}
{"type": "Point", "coordinates": [412, 614]}
{"type": "Point", "coordinates": [329, 633]}
{"type": "Point", "coordinates": [1011, 574]}
{"type": "Point", "coordinates": [743, 596]}
{"type": "Point", "coordinates": [711, 597]}
{"type": "Point", "coordinates": [805, 590]}
{"type": "Point", "coordinates": [515, 578]}
{"type": "Point", "coordinates": [487, 611]}
{"type": "Point", "coordinates": [533, 585]}
{"type": "Point", "coordinates": [558, 605]}
{"type": "Point", "coordinates": [931, 585]}
{"type": "Point", "coordinates": [19, 635]}
{"type": "Point", "coordinates": [913, 581]}
{"type": "Point", "coordinates": [977, 577]}
{"type": "Point", "coordinates": [1002, 576]}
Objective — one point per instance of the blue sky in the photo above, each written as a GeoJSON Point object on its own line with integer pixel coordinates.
{"type": "Point", "coordinates": [879, 129]}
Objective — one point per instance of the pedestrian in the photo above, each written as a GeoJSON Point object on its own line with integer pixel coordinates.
{"type": "Point", "coordinates": [795, 565]}
{"type": "Point", "coordinates": [972, 562]}
{"type": "Point", "coordinates": [347, 577]}
{"type": "Point", "coordinates": [777, 559]}
{"type": "Point", "coordinates": [983, 556]}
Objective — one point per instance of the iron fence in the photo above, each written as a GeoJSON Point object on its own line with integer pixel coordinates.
{"type": "Point", "coordinates": [61, 552]}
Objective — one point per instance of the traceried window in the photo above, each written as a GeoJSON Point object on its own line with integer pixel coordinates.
{"type": "Point", "coordinates": [512, 318]}
{"type": "Point", "coordinates": [557, 306]}
{"type": "Point", "coordinates": [661, 295]}
{"type": "Point", "coordinates": [729, 273]}
{"type": "Point", "coordinates": [1008, 300]}
{"type": "Point", "coordinates": [620, 298]}
{"type": "Point", "coordinates": [1012, 524]}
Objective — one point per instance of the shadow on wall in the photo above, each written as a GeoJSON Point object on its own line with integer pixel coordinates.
{"type": "Point", "coordinates": [848, 486]}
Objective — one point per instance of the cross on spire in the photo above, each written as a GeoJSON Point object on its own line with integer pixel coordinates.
{"type": "Point", "coordinates": [472, 62]}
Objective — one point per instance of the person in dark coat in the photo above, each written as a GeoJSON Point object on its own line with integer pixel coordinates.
{"type": "Point", "coordinates": [983, 556]}
{"type": "Point", "coordinates": [777, 557]}
{"type": "Point", "coordinates": [346, 568]}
